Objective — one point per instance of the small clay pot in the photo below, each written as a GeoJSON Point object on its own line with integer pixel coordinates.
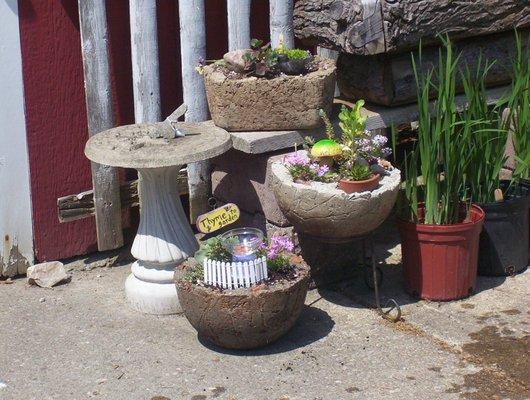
{"type": "Point", "coordinates": [360, 186]}
{"type": "Point", "coordinates": [244, 318]}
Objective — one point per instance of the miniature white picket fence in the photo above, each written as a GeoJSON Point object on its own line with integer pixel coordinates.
{"type": "Point", "coordinates": [235, 275]}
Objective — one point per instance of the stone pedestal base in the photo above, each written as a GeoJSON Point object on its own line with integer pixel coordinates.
{"type": "Point", "coordinates": [152, 297]}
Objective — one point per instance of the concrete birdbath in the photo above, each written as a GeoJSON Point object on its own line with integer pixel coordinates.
{"type": "Point", "coordinates": [164, 238]}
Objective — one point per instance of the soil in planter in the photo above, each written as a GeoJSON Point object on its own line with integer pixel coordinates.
{"type": "Point", "coordinates": [503, 248]}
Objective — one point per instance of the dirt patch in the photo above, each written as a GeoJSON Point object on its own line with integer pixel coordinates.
{"type": "Point", "coordinates": [353, 389]}
{"type": "Point", "coordinates": [435, 369]}
{"type": "Point", "coordinates": [512, 311]}
{"type": "Point", "coordinates": [505, 364]}
{"type": "Point", "coordinates": [468, 306]}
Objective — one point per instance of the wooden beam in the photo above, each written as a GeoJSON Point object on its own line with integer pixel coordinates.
{"type": "Point", "coordinates": [238, 24]}
{"type": "Point", "coordinates": [193, 49]}
{"type": "Point", "coordinates": [281, 22]}
{"type": "Point", "coordinates": [78, 206]}
{"type": "Point", "coordinates": [144, 57]}
{"type": "Point", "coordinates": [105, 180]}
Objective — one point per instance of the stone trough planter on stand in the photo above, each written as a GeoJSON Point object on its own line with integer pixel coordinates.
{"type": "Point", "coordinates": [323, 211]}
{"type": "Point", "coordinates": [259, 104]}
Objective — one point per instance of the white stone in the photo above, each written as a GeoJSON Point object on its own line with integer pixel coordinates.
{"type": "Point", "coordinates": [47, 274]}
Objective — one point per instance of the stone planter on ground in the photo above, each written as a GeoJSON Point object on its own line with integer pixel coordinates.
{"type": "Point", "coordinates": [244, 318]}
{"type": "Point", "coordinates": [259, 104]}
{"type": "Point", "coordinates": [323, 211]}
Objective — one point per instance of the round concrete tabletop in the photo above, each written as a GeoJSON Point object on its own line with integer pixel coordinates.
{"type": "Point", "coordinates": [130, 146]}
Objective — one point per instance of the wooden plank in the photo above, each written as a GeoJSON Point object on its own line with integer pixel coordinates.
{"type": "Point", "coordinates": [79, 206]}
{"type": "Point", "coordinates": [192, 49]}
{"type": "Point", "coordinates": [384, 117]}
{"type": "Point", "coordinates": [363, 27]}
{"type": "Point", "coordinates": [281, 22]}
{"type": "Point", "coordinates": [238, 24]}
{"type": "Point", "coordinates": [268, 141]}
{"type": "Point", "coordinates": [144, 57]}
{"type": "Point", "coordinates": [105, 180]}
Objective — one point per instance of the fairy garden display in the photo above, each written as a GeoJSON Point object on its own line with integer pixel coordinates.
{"type": "Point", "coordinates": [339, 187]}
{"type": "Point", "coordinates": [265, 88]}
{"type": "Point", "coordinates": [356, 161]}
{"type": "Point", "coordinates": [241, 290]}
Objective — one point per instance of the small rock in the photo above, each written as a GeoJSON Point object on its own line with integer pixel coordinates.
{"type": "Point", "coordinates": [47, 274]}
{"type": "Point", "coordinates": [42, 300]}
{"type": "Point", "coordinates": [2, 385]}
{"type": "Point", "coordinates": [235, 60]}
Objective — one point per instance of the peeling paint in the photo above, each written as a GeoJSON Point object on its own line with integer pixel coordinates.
{"type": "Point", "coordinates": [12, 261]}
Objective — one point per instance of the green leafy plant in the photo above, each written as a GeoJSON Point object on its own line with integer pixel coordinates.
{"type": "Point", "coordinates": [261, 60]}
{"type": "Point", "coordinates": [295, 54]}
{"type": "Point", "coordinates": [352, 123]}
{"type": "Point", "coordinates": [357, 172]}
{"type": "Point", "coordinates": [436, 169]}
{"type": "Point", "coordinates": [518, 118]}
{"type": "Point", "coordinates": [194, 274]}
{"type": "Point", "coordinates": [486, 142]}
{"type": "Point", "coordinates": [212, 249]}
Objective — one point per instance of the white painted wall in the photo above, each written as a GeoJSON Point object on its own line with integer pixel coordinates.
{"type": "Point", "coordinates": [15, 203]}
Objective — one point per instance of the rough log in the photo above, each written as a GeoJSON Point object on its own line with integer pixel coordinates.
{"type": "Point", "coordinates": [238, 24]}
{"type": "Point", "coordinates": [144, 55]}
{"type": "Point", "coordinates": [388, 79]}
{"type": "Point", "coordinates": [192, 49]}
{"type": "Point", "coordinates": [78, 206]}
{"type": "Point", "coordinates": [105, 180]}
{"type": "Point", "coordinates": [366, 27]}
{"type": "Point", "coordinates": [281, 22]}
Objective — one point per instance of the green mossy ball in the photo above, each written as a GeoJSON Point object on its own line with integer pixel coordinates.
{"type": "Point", "coordinates": [326, 148]}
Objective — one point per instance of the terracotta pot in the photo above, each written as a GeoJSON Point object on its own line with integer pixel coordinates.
{"type": "Point", "coordinates": [244, 318]}
{"type": "Point", "coordinates": [440, 261]}
{"type": "Point", "coordinates": [360, 186]}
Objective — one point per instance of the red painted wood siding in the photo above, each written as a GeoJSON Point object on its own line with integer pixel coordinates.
{"type": "Point", "coordinates": [55, 103]}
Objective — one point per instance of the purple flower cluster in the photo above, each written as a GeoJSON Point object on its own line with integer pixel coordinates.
{"type": "Point", "coordinates": [320, 170]}
{"type": "Point", "coordinates": [278, 245]}
{"type": "Point", "coordinates": [296, 159]}
{"type": "Point", "coordinates": [372, 147]}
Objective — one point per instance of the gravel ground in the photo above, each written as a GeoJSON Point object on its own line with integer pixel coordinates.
{"type": "Point", "coordinates": [81, 341]}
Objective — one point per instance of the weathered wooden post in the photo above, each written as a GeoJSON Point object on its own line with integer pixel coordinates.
{"type": "Point", "coordinates": [144, 49]}
{"type": "Point", "coordinates": [94, 46]}
{"type": "Point", "coordinates": [238, 24]}
{"type": "Point", "coordinates": [193, 49]}
{"type": "Point", "coordinates": [281, 22]}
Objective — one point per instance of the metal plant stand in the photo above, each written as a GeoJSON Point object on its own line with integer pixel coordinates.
{"type": "Point", "coordinates": [374, 278]}
{"type": "Point", "coordinates": [164, 238]}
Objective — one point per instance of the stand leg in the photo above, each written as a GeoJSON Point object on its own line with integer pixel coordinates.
{"type": "Point", "coordinates": [164, 239]}
{"type": "Point", "coordinates": [394, 305]}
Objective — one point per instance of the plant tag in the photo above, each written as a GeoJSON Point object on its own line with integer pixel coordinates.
{"type": "Point", "coordinates": [498, 195]}
{"type": "Point", "coordinates": [218, 218]}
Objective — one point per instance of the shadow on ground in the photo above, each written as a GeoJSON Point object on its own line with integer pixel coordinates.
{"type": "Point", "coordinates": [314, 324]}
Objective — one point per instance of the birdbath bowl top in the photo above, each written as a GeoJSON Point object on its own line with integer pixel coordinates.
{"type": "Point", "coordinates": [132, 146]}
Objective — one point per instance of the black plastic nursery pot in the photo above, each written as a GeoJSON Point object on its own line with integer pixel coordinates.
{"type": "Point", "coordinates": [503, 246]}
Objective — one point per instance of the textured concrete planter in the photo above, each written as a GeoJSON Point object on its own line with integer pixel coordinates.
{"type": "Point", "coordinates": [258, 104]}
{"type": "Point", "coordinates": [244, 318]}
{"type": "Point", "coordinates": [322, 210]}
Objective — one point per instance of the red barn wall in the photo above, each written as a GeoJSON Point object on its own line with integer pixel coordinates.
{"type": "Point", "coordinates": [55, 104]}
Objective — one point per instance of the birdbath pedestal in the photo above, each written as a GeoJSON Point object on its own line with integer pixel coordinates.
{"type": "Point", "coordinates": [164, 238]}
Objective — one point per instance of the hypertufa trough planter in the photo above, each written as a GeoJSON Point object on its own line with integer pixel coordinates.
{"type": "Point", "coordinates": [260, 104]}
{"type": "Point", "coordinates": [440, 261]}
{"type": "Point", "coordinates": [503, 247]}
{"type": "Point", "coordinates": [323, 211]}
{"type": "Point", "coordinates": [244, 318]}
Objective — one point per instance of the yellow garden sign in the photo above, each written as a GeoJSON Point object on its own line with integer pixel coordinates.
{"type": "Point", "coordinates": [218, 218]}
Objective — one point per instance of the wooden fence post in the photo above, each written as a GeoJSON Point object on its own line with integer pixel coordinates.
{"type": "Point", "coordinates": [144, 54]}
{"type": "Point", "coordinates": [281, 22]}
{"type": "Point", "coordinates": [193, 49]}
{"type": "Point", "coordinates": [105, 180]}
{"type": "Point", "coordinates": [238, 24]}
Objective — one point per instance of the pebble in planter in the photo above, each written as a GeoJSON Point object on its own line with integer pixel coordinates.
{"type": "Point", "coordinates": [269, 89]}
{"type": "Point", "coordinates": [245, 318]}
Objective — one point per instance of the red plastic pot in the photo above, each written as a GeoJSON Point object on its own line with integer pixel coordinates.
{"type": "Point", "coordinates": [440, 261]}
